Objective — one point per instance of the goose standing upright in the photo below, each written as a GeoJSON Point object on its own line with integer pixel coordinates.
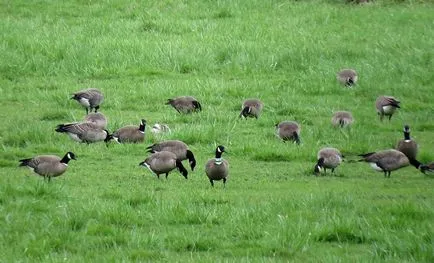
{"type": "Point", "coordinates": [217, 168]}
{"type": "Point", "coordinates": [407, 146]}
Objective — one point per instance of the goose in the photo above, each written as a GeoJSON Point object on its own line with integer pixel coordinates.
{"type": "Point", "coordinates": [179, 148]}
{"type": "Point", "coordinates": [251, 108]}
{"type": "Point", "coordinates": [407, 146]}
{"type": "Point", "coordinates": [390, 160]}
{"type": "Point", "coordinates": [429, 168]}
{"type": "Point", "coordinates": [217, 168]}
{"type": "Point", "coordinates": [84, 132]}
{"type": "Point", "coordinates": [89, 98]}
{"type": "Point", "coordinates": [98, 119]}
{"type": "Point", "coordinates": [347, 77]}
{"type": "Point", "coordinates": [185, 104]}
{"type": "Point", "coordinates": [288, 130]}
{"type": "Point", "coordinates": [342, 119]}
{"type": "Point", "coordinates": [386, 106]}
{"type": "Point", "coordinates": [328, 158]}
{"type": "Point", "coordinates": [130, 133]}
{"type": "Point", "coordinates": [160, 128]}
{"type": "Point", "coordinates": [48, 165]}
{"type": "Point", "coordinates": [163, 162]}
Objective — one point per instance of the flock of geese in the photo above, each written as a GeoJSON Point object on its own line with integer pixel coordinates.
{"type": "Point", "coordinates": [168, 155]}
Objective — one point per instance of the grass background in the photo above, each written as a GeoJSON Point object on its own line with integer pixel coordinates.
{"type": "Point", "coordinates": [106, 208]}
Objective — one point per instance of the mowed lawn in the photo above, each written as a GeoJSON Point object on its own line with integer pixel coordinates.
{"type": "Point", "coordinates": [106, 208]}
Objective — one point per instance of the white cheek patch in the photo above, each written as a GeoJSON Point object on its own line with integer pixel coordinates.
{"type": "Point", "coordinates": [218, 150]}
{"type": "Point", "coordinates": [376, 167]}
{"type": "Point", "coordinates": [69, 156]}
{"type": "Point", "coordinates": [389, 109]}
{"type": "Point", "coordinates": [84, 102]}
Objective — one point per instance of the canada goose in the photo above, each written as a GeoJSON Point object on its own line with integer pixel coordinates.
{"type": "Point", "coordinates": [407, 146]}
{"type": "Point", "coordinates": [185, 104]}
{"type": "Point", "coordinates": [160, 128]}
{"type": "Point", "coordinates": [130, 133]}
{"type": "Point", "coordinates": [98, 119]}
{"type": "Point", "coordinates": [217, 168]}
{"type": "Point", "coordinates": [347, 77]}
{"type": "Point", "coordinates": [251, 108]}
{"type": "Point", "coordinates": [89, 98]}
{"type": "Point", "coordinates": [328, 158]}
{"type": "Point", "coordinates": [289, 130]}
{"type": "Point", "coordinates": [390, 160]}
{"type": "Point", "coordinates": [342, 119]}
{"type": "Point", "coordinates": [386, 106]}
{"type": "Point", "coordinates": [429, 168]}
{"type": "Point", "coordinates": [83, 132]}
{"type": "Point", "coordinates": [48, 165]}
{"type": "Point", "coordinates": [179, 148]}
{"type": "Point", "coordinates": [163, 162]}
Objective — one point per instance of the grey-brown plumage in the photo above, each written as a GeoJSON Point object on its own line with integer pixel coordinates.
{"type": "Point", "coordinates": [251, 108]}
{"type": "Point", "coordinates": [164, 162]}
{"type": "Point", "coordinates": [89, 98]}
{"type": "Point", "coordinates": [342, 119]}
{"type": "Point", "coordinates": [97, 118]}
{"type": "Point", "coordinates": [328, 158]}
{"type": "Point", "coordinates": [130, 133]}
{"type": "Point", "coordinates": [288, 130]}
{"type": "Point", "coordinates": [185, 104]}
{"type": "Point", "coordinates": [179, 148]}
{"type": "Point", "coordinates": [347, 77]}
{"type": "Point", "coordinates": [389, 160]}
{"type": "Point", "coordinates": [386, 106]}
{"type": "Point", "coordinates": [48, 165]}
{"type": "Point", "coordinates": [407, 146]}
{"type": "Point", "coordinates": [83, 132]}
{"type": "Point", "coordinates": [217, 168]}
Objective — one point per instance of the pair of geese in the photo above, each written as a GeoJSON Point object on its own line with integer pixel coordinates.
{"type": "Point", "coordinates": [384, 161]}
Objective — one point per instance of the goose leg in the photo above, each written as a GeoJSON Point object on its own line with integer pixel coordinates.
{"type": "Point", "coordinates": [224, 182]}
{"type": "Point", "coordinates": [167, 174]}
{"type": "Point", "coordinates": [212, 183]}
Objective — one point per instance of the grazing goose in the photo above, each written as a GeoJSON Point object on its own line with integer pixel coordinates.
{"type": "Point", "coordinates": [89, 98]}
{"type": "Point", "coordinates": [217, 168]}
{"type": "Point", "coordinates": [386, 106]}
{"type": "Point", "coordinates": [429, 168]}
{"type": "Point", "coordinates": [163, 162]}
{"type": "Point", "coordinates": [185, 104]}
{"type": "Point", "coordinates": [160, 128]}
{"type": "Point", "coordinates": [347, 77]}
{"type": "Point", "coordinates": [289, 130]}
{"type": "Point", "coordinates": [98, 119]}
{"type": "Point", "coordinates": [84, 132]}
{"type": "Point", "coordinates": [407, 146]}
{"type": "Point", "coordinates": [48, 165]}
{"type": "Point", "coordinates": [179, 148]}
{"type": "Point", "coordinates": [390, 160]}
{"type": "Point", "coordinates": [130, 133]}
{"type": "Point", "coordinates": [328, 158]}
{"type": "Point", "coordinates": [342, 119]}
{"type": "Point", "coordinates": [251, 108]}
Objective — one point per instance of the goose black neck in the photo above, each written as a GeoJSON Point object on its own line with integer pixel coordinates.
{"type": "Point", "coordinates": [407, 135]}
{"type": "Point", "coordinates": [142, 127]}
{"type": "Point", "coordinates": [190, 156]}
{"type": "Point", "coordinates": [218, 154]}
{"type": "Point", "coordinates": [415, 163]}
{"type": "Point", "coordinates": [65, 159]}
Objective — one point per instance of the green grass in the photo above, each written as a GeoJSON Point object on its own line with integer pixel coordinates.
{"type": "Point", "coordinates": [106, 208]}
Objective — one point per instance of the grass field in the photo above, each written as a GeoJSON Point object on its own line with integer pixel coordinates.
{"type": "Point", "coordinates": [106, 208]}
